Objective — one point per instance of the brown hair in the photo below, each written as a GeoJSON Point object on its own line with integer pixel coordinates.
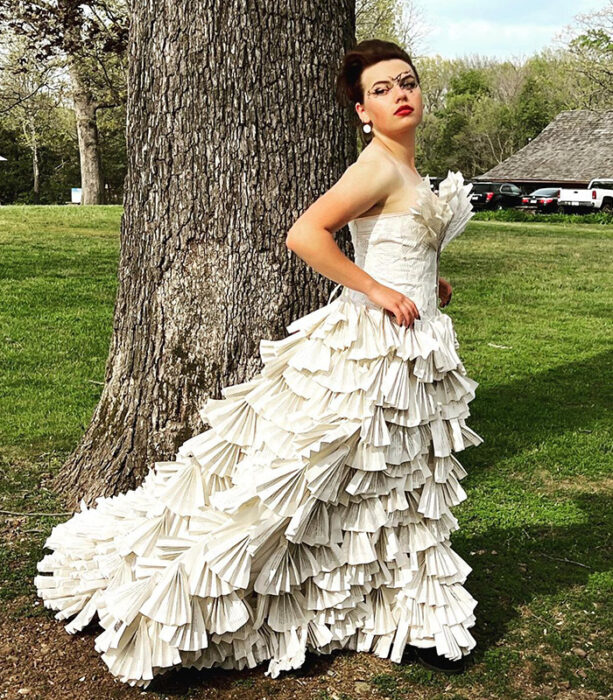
{"type": "Point", "coordinates": [348, 84]}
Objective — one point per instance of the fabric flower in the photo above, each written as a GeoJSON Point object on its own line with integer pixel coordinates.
{"type": "Point", "coordinates": [444, 216]}
{"type": "Point", "coordinates": [456, 194]}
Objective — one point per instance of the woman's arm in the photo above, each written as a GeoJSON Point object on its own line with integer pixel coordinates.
{"type": "Point", "coordinates": [361, 186]}
{"type": "Point", "coordinates": [444, 291]}
{"type": "Point", "coordinates": [317, 247]}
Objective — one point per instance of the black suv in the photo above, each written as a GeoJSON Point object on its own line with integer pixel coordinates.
{"type": "Point", "coordinates": [495, 195]}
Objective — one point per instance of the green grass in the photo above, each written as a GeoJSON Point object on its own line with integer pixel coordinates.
{"type": "Point", "coordinates": [532, 311]}
{"type": "Point", "coordinates": [58, 278]}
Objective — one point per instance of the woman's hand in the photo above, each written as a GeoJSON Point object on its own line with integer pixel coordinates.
{"type": "Point", "coordinates": [444, 291]}
{"type": "Point", "coordinates": [396, 302]}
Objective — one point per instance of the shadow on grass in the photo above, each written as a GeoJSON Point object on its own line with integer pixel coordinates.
{"type": "Point", "coordinates": [518, 416]}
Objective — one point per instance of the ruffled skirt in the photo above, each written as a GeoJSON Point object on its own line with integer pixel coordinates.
{"type": "Point", "coordinates": [314, 513]}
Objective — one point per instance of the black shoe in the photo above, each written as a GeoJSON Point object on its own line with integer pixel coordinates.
{"type": "Point", "coordinates": [430, 659]}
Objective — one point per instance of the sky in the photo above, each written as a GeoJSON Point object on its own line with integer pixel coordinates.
{"type": "Point", "coordinates": [497, 29]}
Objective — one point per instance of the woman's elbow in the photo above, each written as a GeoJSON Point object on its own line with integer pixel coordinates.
{"type": "Point", "coordinates": [292, 239]}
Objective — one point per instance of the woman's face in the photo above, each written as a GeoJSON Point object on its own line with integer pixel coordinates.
{"type": "Point", "coordinates": [388, 86]}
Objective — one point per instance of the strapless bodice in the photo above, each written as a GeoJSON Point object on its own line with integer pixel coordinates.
{"type": "Point", "coordinates": [402, 250]}
{"type": "Point", "coordinates": [392, 249]}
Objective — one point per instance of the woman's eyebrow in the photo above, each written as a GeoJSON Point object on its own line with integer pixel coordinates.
{"type": "Point", "coordinates": [407, 72]}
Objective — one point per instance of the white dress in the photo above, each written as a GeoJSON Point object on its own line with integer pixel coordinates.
{"type": "Point", "coordinates": [315, 512]}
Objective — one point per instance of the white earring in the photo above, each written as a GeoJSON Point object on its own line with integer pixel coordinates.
{"type": "Point", "coordinates": [367, 128]}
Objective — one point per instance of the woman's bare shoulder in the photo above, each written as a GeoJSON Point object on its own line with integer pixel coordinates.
{"type": "Point", "coordinates": [373, 170]}
{"type": "Point", "coordinates": [375, 159]}
{"type": "Point", "coordinates": [366, 182]}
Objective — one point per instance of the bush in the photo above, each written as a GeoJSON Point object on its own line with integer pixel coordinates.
{"type": "Point", "coordinates": [531, 215]}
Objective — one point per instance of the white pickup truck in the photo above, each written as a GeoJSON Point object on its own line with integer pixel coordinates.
{"type": "Point", "coordinates": [597, 197]}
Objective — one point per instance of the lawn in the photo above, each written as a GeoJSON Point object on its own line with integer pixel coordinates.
{"type": "Point", "coordinates": [532, 311]}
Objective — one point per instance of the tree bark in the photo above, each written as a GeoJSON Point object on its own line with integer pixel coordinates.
{"type": "Point", "coordinates": [233, 130]}
{"type": "Point", "coordinates": [32, 139]}
{"type": "Point", "coordinates": [92, 189]}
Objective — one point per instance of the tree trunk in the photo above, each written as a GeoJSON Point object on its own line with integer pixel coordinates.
{"type": "Point", "coordinates": [232, 133]}
{"type": "Point", "coordinates": [33, 140]}
{"type": "Point", "coordinates": [92, 190]}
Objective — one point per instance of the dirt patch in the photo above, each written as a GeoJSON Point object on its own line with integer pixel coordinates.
{"type": "Point", "coordinates": [41, 660]}
{"type": "Point", "coordinates": [580, 484]}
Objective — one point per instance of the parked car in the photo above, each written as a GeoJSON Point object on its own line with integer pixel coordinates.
{"type": "Point", "coordinates": [597, 197]}
{"type": "Point", "coordinates": [545, 199]}
{"type": "Point", "coordinates": [495, 195]}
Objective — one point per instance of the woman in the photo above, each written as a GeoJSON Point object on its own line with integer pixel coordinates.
{"type": "Point", "coordinates": [380, 196]}
{"type": "Point", "coordinates": [315, 513]}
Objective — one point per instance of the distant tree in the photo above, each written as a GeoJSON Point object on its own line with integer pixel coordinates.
{"type": "Point", "coordinates": [589, 42]}
{"type": "Point", "coordinates": [491, 134]}
{"type": "Point", "coordinates": [28, 98]}
{"type": "Point", "coordinates": [436, 74]}
{"type": "Point", "coordinates": [90, 38]}
{"type": "Point", "coordinates": [400, 21]}
{"type": "Point", "coordinates": [471, 82]}
{"type": "Point", "coordinates": [533, 110]}
{"type": "Point", "coordinates": [506, 80]}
